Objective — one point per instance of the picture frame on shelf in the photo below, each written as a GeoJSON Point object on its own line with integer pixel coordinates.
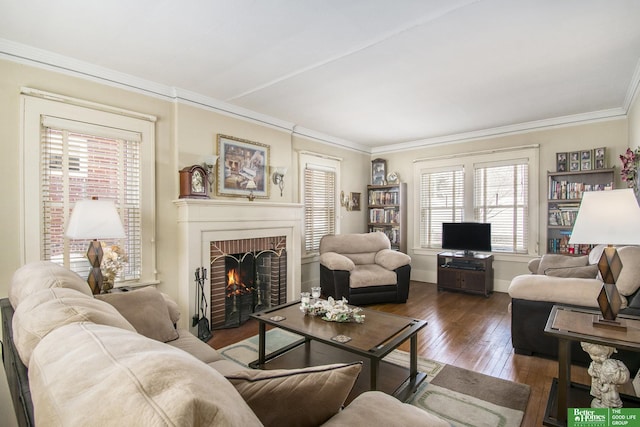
{"type": "Point", "coordinates": [378, 172]}
{"type": "Point", "coordinates": [574, 161]}
{"type": "Point", "coordinates": [561, 162]}
{"type": "Point", "coordinates": [599, 158]}
{"type": "Point", "coordinates": [242, 161]}
{"type": "Point", "coordinates": [354, 200]}
{"type": "Point", "coordinates": [586, 160]}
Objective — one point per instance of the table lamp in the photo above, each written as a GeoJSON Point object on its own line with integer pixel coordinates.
{"type": "Point", "coordinates": [610, 217]}
{"type": "Point", "coordinates": [95, 219]}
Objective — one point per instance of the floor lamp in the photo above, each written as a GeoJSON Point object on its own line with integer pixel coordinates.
{"type": "Point", "coordinates": [95, 219]}
{"type": "Point", "coordinates": [610, 217]}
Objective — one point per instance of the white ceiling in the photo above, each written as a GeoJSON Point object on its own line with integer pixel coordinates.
{"type": "Point", "coordinates": [375, 73]}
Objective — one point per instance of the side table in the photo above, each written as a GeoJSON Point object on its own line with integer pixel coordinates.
{"type": "Point", "coordinates": [576, 324]}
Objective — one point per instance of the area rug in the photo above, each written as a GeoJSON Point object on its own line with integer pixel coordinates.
{"type": "Point", "coordinates": [460, 396]}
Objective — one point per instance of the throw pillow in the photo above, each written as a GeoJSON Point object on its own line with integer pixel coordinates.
{"type": "Point", "coordinates": [558, 260]}
{"type": "Point", "coordinates": [586, 272]}
{"type": "Point", "coordinates": [629, 280]}
{"type": "Point", "coordinates": [146, 310]}
{"type": "Point", "coordinates": [270, 393]}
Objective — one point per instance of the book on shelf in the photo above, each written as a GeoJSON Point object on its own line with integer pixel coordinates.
{"type": "Point", "coordinates": [564, 190]}
{"type": "Point", "coordinates": [381, 197]}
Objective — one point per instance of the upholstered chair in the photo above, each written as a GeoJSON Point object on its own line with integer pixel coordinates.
{"type": "Point", "coordinates": [363, 269]}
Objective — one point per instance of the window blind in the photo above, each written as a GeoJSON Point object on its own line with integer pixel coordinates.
{"type": "Point", "coordinates": [319, 205]}
{"type": "Point", "coordinates": [441, 200]}
{"type": "Point", "coordinates": [501, 198]}
{"type": "Point", "coordinates": [79, 161]}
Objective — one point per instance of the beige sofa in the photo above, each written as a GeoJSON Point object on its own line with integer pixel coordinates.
{"type": "Point", "coordinates": [117, 359]}
{"type": "Point", "coordinates": [567, 280]}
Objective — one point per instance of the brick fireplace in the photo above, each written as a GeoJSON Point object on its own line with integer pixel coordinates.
{"type": "Point", "coordinates": [247, 275]}
{"type": "Point", "coordinates": [204, 224]}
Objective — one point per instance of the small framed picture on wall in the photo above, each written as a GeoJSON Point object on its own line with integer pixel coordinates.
{"type": "Point", "coordinates": [561, 162]}
{"type": "Point", "coordinates": [574, 161]}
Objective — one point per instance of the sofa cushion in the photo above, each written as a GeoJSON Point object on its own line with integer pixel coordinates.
{"type": "Point", "coordinates": [371, 275]}
{"type": "Point", "coordinates": [391, 260]}
{"type": "Point", "coordinates": [146, 310]}
{"type": "Point", "coordinates": [38, 275]}
{"type": "Point", "coordinates": [334, 261]}
{"type": "Point", "coordinates": [629, 280]}
{"type": "Point", "coordinates": [197, 348]}
{"type": "Point", "coordinates": [534, 287]}
{"type": "Point", "coordinates": [586, 272]}
{"type": "Point", "coordinates": [318, 392]}
{"type": "Point", "coordinates": [354, 243]}
{"type": "Point", "coordinates": [558, 260]}
{"type": "Point", "coordinates": [48, 309]}
{"type": "Point", "coordinates": [375, 408]}
{"type": "Point", "coordinates": [120, 378]}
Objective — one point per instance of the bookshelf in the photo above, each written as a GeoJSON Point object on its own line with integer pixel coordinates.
{"type": "Point", "coordinates": [387, 210]}
{"type": "Point", "coordinates": [563, 201]}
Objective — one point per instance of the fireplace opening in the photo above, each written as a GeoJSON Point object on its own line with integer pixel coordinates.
{"type": "Point", "coordinates": [243, 283]}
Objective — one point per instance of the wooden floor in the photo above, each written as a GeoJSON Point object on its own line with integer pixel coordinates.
{"type": "Point", "coordinates": [468, 331]}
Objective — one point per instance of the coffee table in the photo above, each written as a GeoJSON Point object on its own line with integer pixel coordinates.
{"type": "Point", "coordinates": [379, 335]}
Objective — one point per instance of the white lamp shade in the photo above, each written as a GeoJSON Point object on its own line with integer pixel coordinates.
{"type": "Point", "coordinates": [607, 217]}
{"type": "Point", "coordinates": [251, 185]}
{"type": "Point", "coordinates": [95, 219]}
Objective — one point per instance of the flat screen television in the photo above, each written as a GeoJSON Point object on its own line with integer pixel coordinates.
{"type": "Point", "coordinates": [466, 236]}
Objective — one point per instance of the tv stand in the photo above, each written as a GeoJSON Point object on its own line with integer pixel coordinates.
{"type": "Point", "coordinates": [465, 272]}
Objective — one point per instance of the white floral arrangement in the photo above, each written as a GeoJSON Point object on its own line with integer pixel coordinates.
{"type": "Point", "coordinates": [113, 260]}
{"type": "Point", "coordinates": [333, 311]}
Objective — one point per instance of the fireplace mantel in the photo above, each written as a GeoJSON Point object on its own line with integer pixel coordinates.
{"type": "Point", "coordinates": [201, 221]}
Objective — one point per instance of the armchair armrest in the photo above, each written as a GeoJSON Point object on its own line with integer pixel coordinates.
{"type": "Point", "coordinates": [391, 260]}
{"type": "Point", "coordinates": [335, 261]}
{"type": "Point", "coordinates": [533, 265]}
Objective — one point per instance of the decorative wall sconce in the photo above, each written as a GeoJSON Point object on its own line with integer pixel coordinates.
{"type": "Point", "coordinates": [209, 164]}
{"type": "Point", "coordinates": [278, 177]}
{"type": "Point", "coordinates": [345, 201]}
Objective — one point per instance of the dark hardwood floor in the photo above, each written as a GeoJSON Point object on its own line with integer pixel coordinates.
{"type": "Point", "coordinates": [468, 331]}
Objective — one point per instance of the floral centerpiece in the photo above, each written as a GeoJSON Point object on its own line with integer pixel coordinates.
{"type": "Point", "coordinates": [113, 260]}
{"type": "Point", "coordinates": [333, 311]}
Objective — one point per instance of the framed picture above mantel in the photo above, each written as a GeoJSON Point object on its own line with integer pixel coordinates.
{"type": "Point", "coordinates": [242, 168]}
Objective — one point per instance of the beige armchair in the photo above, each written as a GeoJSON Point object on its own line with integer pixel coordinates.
{"type": "Point", "coordinates": [363, 269]}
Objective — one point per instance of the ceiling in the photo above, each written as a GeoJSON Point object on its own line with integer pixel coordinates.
{"type": "Point", "coordinates": [377, 74]}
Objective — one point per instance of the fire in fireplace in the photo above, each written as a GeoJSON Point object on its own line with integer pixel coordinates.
{"type": "Point", "coordinates": [246, 282]}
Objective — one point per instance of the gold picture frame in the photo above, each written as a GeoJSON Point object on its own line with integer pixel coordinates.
{"type": "Point", "coordinates": [241, 161]}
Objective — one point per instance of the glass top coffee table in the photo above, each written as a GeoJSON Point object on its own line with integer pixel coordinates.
{"type": "Point", "coordinates": [379, 335]}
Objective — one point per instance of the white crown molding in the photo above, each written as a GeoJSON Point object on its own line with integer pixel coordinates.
{"type": "Point", "coordinates": [572, 120]}
{"type": "Point", "coordinates": [330, 140]}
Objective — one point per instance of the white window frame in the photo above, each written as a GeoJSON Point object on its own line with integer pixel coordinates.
{"type": "Point", "coordinates": [319, 161]}
{"type": "Point", "coordinates": [34, 105]}
{"type": "Point", "coordinates": [468, 161]}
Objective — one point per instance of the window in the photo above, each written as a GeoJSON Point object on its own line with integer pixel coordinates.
{"type": "Point", "coordinates": [501, 198]}
{"type": "Point", "coordinates": [441, 200]}
{"type": "Point", "coordinates": [496, 187]}
{"type": "Point", "coordinates": [319, 195]}
{"type": "Point", "coordinates": [78, 165]}
{"type": "Point", "coordinates": [73, 152]}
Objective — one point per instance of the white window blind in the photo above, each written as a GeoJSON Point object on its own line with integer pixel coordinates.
{"type": "Point", "coordinates": [80, 161]}
{"type": "Point", "coordinates": [319, 205]}
{"type": "Point", "coordinates": [441, 200]}
{"type": "Point", "coordinates": [501, 198]}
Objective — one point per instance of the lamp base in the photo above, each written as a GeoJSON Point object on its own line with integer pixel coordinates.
{"type": "Point", "coordinates": [601, 322]}
{"type": "Point", "coordinates": [94, 255]}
